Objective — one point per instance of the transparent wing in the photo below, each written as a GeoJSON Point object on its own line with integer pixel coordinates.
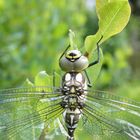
{"type": "Point", "coordinates": [28, 109]}
{"type": "Point", "coordinates": [27, 96]}
{"type": "Point", "coordinates": [108, 114]}
{"type": "Point", "coordinates": [115, 102]}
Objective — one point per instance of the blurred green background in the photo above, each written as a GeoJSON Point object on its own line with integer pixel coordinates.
{"type": "Point", "coordinates": [33, 34]}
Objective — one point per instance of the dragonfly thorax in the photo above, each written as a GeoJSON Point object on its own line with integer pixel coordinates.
{"type": "Point", "coordinates": [73, 61]}
{"type": "Point", "coordinates": [73, 87]}
{"type": "Point", "coordinates": [74, 83]}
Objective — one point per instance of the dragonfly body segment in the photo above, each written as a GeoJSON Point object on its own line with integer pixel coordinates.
{"type": "Point", "coordinates": [74, 89]}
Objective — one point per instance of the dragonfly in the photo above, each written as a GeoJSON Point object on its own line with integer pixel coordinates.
{"type": "Point", "coordinates": [74, 104]}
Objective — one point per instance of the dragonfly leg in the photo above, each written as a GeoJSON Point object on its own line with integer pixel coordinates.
{"type": "Point", "coordinates": [64, 52]}
{"type": "Point", "coordinates": [88, 79]}
{"type": "Point", "coordinates": [98, 51]}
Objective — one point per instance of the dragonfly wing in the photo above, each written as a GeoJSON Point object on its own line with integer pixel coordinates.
{"type": "Point", "coordinates": [116, 102]}
{"type": "Point", "coordinates": [114, 113]}
{"type": "Point", "coordinates": [27, 109]}
{"type": "Point", "coordinates": [25, 96]}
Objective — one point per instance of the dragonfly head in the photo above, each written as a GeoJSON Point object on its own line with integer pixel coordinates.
{"type": "Point", "coordinates": [73, 61]}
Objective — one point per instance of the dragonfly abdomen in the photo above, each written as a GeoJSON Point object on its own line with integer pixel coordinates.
{"type": "Point", "coordinates": [71, 120]}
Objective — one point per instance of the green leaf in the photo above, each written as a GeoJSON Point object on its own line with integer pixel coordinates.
{"type": "Point", "coordinates": [113, 17]}
{"type": "Point", "coordinates": [91, 44]}
{"type": "Point", "coordinates": [42, 79]}
{"type": "Point", "coordinates": [94, 71]}
{"type": "Point", "coordinates": [57, 79]}
{"type": "Point", "coordinates": [101, 3]}
{"type": "Point", "coordinates": [28, 83]}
